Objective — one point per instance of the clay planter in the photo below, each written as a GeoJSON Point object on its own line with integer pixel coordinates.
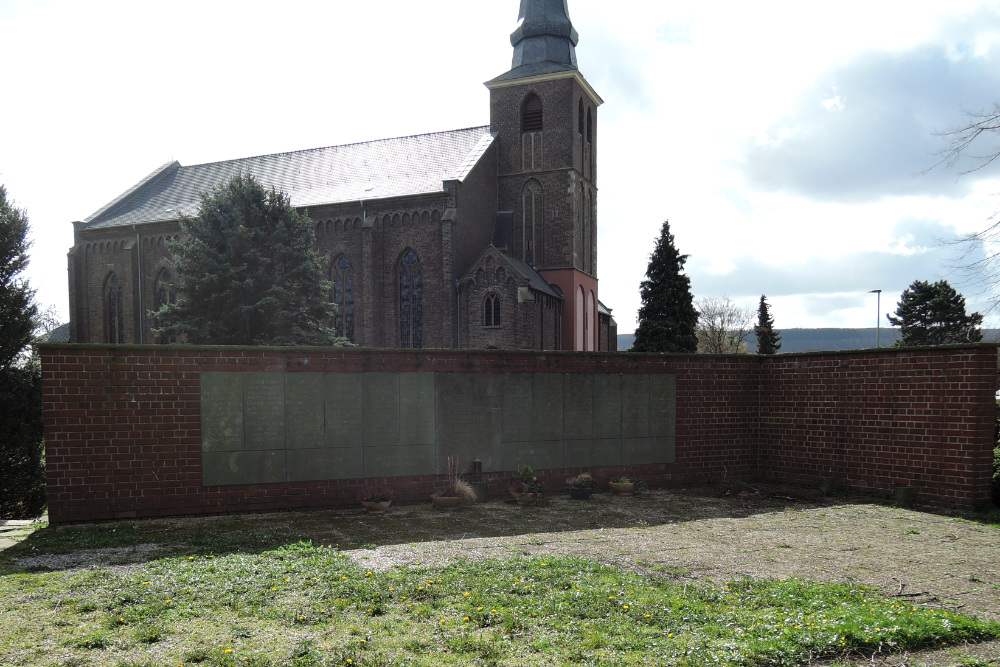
{"type": "Point", "coordinates": [529, 498]}
{"type": "Point", "coordinates": [622, 488]}
{"type": "Point", "coordinates": [581, 492]}
{"type": "Point", "coordinates": [516, 495]}
{"type": "Point", "coordinates": [447, 503]}
{"type": "Point", "coordinates": [376, 507]}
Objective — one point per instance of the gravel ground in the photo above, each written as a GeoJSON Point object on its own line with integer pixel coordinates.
{"type": "Point", "coordinates": [925, 556]}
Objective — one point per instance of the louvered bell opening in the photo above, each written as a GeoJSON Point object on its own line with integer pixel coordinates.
{"type": "Point", "coordinates": [531, 118]}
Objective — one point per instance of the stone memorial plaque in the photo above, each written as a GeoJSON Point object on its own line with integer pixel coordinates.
{"type": "Point", "coordinates": [662, 405]}
{"type": "Point", "coordinates": [221, 412]}
{"type": "Point", "coordinates": [468, 414]}
{"type": "Point", "coordinates": [607, 405]}
{"type": "Point", "coordinates": [416, 409]}
{"type": "Point", "coordinates": [539, 454]}
{"type": "Point", "coordinates": [264, 411]}
{"type": "Point", "coordinates": [578, 409]}
{"type": "Point", "coordinates": [306, 465]}
{"type": "Point", "coordinates": [390, 461]}
{"type": "Point", "coordinates": [380, 408]}
{"type": "Point", "coordinates": [547, 406]}
{"type": "Point", "coordinates": [636, 451]}
{"type": "Point", "coordinates": [255, 467]}
{"type": "Point", "coordinates": [517, 407]}
{"type": "Point", "coordinates": [635, 406]}
{"type": "Point", "coordinates": [593, 452]}
{"type": "Point", "coordinates": [342, 402]}
{"type": "Point", "coordinates": [304, 410]}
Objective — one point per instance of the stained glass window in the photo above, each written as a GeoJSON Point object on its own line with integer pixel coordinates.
{"type": "Point", "coordinates": [343, 296]}
{"type": "Point", "coordinates": [411, 289]}
{"type": "Point", "coordinates": [116, 306]}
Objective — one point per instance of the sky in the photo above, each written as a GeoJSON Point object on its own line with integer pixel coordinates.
{"type": "Point", "coordinates": [791, 145]}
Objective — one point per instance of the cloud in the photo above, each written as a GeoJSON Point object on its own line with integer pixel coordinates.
{"type": "Point", "coordinates": [871, 128]}
{"type": "Point", "coordinates": [920, 250]}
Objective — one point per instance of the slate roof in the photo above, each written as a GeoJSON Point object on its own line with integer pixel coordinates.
{"type": "Point", "coordinates": [399, 167]}
{"type": "Point", "coordinates": [535, 280]}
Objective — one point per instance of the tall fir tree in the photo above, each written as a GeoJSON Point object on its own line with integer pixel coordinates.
{"type": "Point", "coordinates": [249, 273]}
{"type": "Point", "coordinates": [22, 471]}
{"type": "Point", "coordinates": [667, 319]}
{"type": "Point", "coordinates": [768, 340]}
{"type": "Point", "coordinates": [934, 314]}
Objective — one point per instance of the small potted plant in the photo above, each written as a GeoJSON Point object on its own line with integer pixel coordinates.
{"type": "Point", "coordinates": [525, 487]}
{"type": "Point", "coordinates": [628, 485]}
{"type": "Point", "coordinates": [623, 485]}
{"type": "Point", "coordinates": [375, 499]}
{"type": "Point", "coordinates": [581, 487]}
{"type": "Point", "coordinates": [456, 490]}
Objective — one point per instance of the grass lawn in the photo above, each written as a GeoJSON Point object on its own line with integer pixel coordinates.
{"type": "Point", "coordinates": [283, 602]}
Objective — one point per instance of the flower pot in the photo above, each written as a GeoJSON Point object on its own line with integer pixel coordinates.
{"type": "Point", "coordinates": [529, 498]}
{"type": "Point", "coordinates": [447, 503]}
{"type": "Point", "coordinates": [376, 506]}
{"type": "Point", "coordinates": [581, 492]}
{"type": "Point", "coordinates": [514, 494]}
{"type": "Point", "coordinates": [622, 488]}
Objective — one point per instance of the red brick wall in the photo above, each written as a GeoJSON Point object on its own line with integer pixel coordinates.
{"type": "Point", "coordinates": [122, 424]}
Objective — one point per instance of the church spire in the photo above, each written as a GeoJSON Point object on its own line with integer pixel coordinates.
{"type": "Point", "coordinates": [545, 40]}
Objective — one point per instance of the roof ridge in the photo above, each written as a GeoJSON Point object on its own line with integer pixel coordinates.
{"type": "Point", "coordinates": [354, 143]}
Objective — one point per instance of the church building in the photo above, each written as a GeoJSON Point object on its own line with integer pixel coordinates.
{"type": "Point", "coordinates": [471, 238]}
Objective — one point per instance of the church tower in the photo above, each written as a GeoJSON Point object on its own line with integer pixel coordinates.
{"type": "Point", "coordinates": [544, 114]}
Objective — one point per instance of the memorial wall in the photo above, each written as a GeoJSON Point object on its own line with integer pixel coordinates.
{"type": "Point", "coordinates": [168, 430]}
{"type": "Point", "coordinates": [267, 427]}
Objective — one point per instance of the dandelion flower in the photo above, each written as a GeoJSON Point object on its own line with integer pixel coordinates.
{"type": "Point", "coordinates": [466, 595]}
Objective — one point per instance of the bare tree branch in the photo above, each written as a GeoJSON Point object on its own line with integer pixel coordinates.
{"type": "Point", "coordinates": [723, 326]}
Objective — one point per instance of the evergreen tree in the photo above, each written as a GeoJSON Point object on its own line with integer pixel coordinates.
{"type": "Point", "coordinates": [22, 471]}
{"type": "Point", "coordinates": [249, 273]}
{"type": "Point", "coordinates": [667, 318]}
{"type": "Point", "coordinates": [768, 340]}
{"type": "Point", "coordinates": [934, 314]}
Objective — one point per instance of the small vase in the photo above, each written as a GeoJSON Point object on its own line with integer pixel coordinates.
{"type": "Point", "coordinates": [622, 488]}
{"type": "Point", "coordinates": [580, 492]}
{"type": "Point", "coordinates": [377, 506]}
{"type": "Point", "coordinates": [447, 503]}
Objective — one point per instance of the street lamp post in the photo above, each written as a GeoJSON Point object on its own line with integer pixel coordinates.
{"type": "Point", "coordinates": [878, 314]}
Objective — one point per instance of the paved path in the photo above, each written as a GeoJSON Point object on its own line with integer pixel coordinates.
{"type": "Point", "coordinates": [13, 531]}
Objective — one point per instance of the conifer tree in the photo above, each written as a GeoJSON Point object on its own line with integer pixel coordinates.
{"type": "Point", "coordinates": [934, 314]}
{"type": "Point", "coordinates": [667, 319]}
{"type": "Point", "coordinates": [249, 273]}
{"type": "Point", "coordinates": [768, 340]}
{"type": "Point", "coordinates": [22, 471]}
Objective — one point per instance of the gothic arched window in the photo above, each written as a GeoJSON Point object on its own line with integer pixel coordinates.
{"type": "Point", "coordinates": [590, 125]}
{"type": "Point", "coordinates": [531, 223]}
{"type": "Point", "coordinates": [343, 296]}
{"type": "Point", "coordinates": [411, 297]}
{"type": "Point", "coordinates": [491, 311]}
{"type": "Point", "coordinates": [164, 292]}
{"type": "Point", "coordinates": [531, 114]}
{"type": "Point", "coordinates": [116, 308]}
{"type": "Point", "coordinates": [579, 118]}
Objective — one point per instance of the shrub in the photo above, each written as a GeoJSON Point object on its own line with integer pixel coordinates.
{"type": "Point", "coordinates": [22, 466]}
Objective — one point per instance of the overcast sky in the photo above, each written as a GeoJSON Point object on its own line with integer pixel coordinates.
{"type": "Point", "coordinates": [788, 143]}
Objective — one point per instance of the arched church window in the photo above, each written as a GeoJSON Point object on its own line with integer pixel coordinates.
{"type": "Point", "coordinates": [411, 288]}
{"type": "Point", "coordinates": [531, 223]}
{"type": "Point", "coordinates": [343, 297]}
{"type": "Point", "coordinates": [590, 125]}
{"type": "Point", "coordinates": [531, 114]}
{"type": "Point", "coordinates": [116, 308]}
{"type": "Point", "coordinates": [491, 311]}
{"type": "Point", "coordinates": [165, 292]}
{"type": "Point", "coordinates": [579, 118]}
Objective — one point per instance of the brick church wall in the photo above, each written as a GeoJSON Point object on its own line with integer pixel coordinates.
{"type": "Point", "coordinates": [123, 423]}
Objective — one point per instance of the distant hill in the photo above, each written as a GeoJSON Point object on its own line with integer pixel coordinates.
{"type": "Point", "coordinates": [814, 340]}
